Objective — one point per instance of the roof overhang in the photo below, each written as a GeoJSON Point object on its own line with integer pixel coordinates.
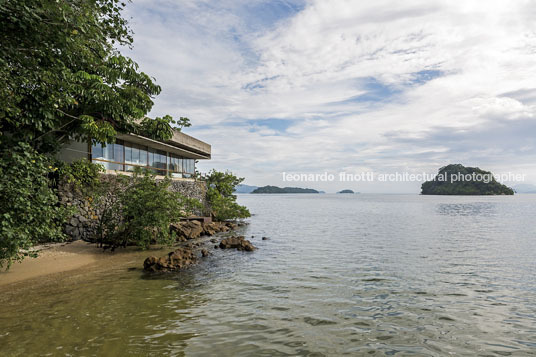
{"type": "Point", "coordinates": [173, 146]}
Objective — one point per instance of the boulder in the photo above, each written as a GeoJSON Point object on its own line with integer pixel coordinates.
{"type": "Point", "coordinates": [231, 225]}
{"type": "Point", "coordinates": [205, 253]}
{"type": "Point", "coordinates": [178, 259]}
{"type": "Point", "coordinates": [211, 228]}
{"type": "Point", "coordinates": [187, 230]}
{"type": "Point", "coordinates": [237, 242]}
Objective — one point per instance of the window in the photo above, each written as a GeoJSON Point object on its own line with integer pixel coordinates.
{"type": "Point", "coordinates": [174, 166]}
{"type": "Point", "coordinates": [158, 161]}
{"type": "Point", "coordinates": [126, 156]}
{"type": "Point", "coordinates": [188, 167]}
{"type": "Point", "coordinates": [136, 155]}
{"type": "Point", "coordinates": [110, 156]}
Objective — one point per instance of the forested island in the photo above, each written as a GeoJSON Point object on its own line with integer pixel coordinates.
{"type": "Point", "coordinates": [456, 179]}
{"type": "Point", "coordinates": [275, 189]}
{"type": "Point", "coordinates": [346, 191]}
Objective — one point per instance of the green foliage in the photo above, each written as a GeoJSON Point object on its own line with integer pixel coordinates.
{"type": "Point", "coordinates": [449, 182]}
{"type": "Point", "coordinates": [82, 174]}
{"type": "Point", "coordinates": [183, 122]}
{"type": "Point", "coordinates": [158, 128]}
{"type": "Point", "coordinates": [62, 79]}
{"type": "Point", "coordinates": [62, 75]}
{"type": "Point", "coordinates": [141, 213]}
{"type": "Point", "coordinates": [162, 128]}
{"type": "Point", "coordinates": [29, 208]}
{"type": "Point", "coordinates": [221, 186]}
{"type": "Point", "coordinates": [148, 210]}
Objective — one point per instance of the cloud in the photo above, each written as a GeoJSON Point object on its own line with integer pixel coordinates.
{"type": "Point", "coordinates": [342, 85]}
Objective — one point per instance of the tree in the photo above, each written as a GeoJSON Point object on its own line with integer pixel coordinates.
{"type": "Point", "coordinates": [62, 76]}
{"type": "Point", "coordinates": [161, 128]}
{"type": "Point", "coordinates": [29, 209]}
{"type": "Point", "coordinates": [220, 188]}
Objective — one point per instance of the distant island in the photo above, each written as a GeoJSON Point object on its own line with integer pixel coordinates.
{"type": "Point", "coordinates": [525, 188]}
{"type": "Point", "coordinates": [456, 179]}
{"type": "Point", "coordinates": [275, 189]}
{"type": "Point", "coordinates": [245, 188]}
{"type": "Point", "coordinates": [346, 191]}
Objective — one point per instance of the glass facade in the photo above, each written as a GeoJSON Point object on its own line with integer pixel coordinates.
{"type": "Point", "coordinates": [126, 156]}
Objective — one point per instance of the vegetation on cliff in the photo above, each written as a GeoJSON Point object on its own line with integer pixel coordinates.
{"type": "Point", "coordinates": [456, 179]}
{"type": "Point", "coordinates": [275, 189]}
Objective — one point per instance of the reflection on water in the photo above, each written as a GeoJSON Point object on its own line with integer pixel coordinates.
{"type": "Point", "coordinates": [356, 274]}
{"type": "Point", "coordinates": [467, 209]}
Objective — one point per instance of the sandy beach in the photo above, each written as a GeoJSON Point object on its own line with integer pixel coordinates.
{"type": "Point", "coordinates": [54, 258]}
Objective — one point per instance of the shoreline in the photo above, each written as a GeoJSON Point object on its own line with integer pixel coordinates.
{"type": "Point", "coordinates": [54, 258]}
{"type": "Point", "coordinates": [58, 260]}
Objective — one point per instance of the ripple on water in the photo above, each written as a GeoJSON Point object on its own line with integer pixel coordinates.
{"type": "Point", "coordinates": [370, 274]}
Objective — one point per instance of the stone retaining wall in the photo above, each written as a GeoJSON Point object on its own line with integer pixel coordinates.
{"type": "Point", "coordinates": [82, 225]}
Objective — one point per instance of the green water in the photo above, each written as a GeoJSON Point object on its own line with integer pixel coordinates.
{"type": "Point", "coordinates": [340, 275]}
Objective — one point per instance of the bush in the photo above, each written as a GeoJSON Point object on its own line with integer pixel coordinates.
{"type": "Point", "coordinates": [221, 186]}
{"type": "Point", "coordinates": [82, 174]}
{"type": "Point", "coordinates": [29, 208]}
{"type": "Point", "coordinates": [141, 213]}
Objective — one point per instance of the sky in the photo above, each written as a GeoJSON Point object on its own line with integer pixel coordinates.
{"type": "Point", "coordinates": [307, 87]}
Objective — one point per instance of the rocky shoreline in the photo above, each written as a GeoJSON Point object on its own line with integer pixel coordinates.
{"type": "Point", "coordinates": [189, 234]}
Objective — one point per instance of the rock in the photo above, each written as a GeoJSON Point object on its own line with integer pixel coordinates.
{"type": "Point", "coordinates": [178, 259]}
{"type": "Point", "coordinates": [211, 228]}
{"type": "Point", "coordinates": [216, 247]}
{"type": "Point", "coordinates": [231, 225]}
{"type": "Point", "coordinates": [74, 221]}
{"type": "Point", "coordinates": [187, 230]}
{"type": "Point", "coordinates": [213, 240]}
{"type": "Point", "coordinates": [69, 230]}
{"type": "Point", "coordinates": [237, 242]}
{"type": "Point", "coordinates": [150, 264]}
{"type": "Point", "coordinates": [265, 238]}
{"type": "Point", "coordinates": [204, 253]}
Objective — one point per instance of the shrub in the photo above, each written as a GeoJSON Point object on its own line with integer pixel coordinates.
{"type": "Point", "coordinates": [221, 186]}
{"type": "Point", "coordinates": [29, 208]}
{"type": "Point", "coordinates": [82, 174]}
{"type": "Point", "coordinates": [141, 213]}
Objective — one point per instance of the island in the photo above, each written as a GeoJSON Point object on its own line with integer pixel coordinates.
{"type": "Point", "coordinates": [456, 179]}
{"type": "Point", "coordinates": [244, 188]}
{"type": "Point", "coordinates": [346, 191]}
{"type": "Point", "coordinates": [275, 189]}
{"type": "Point", "coordinates": [525, 188]}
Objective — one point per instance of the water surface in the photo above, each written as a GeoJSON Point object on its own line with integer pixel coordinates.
{"type": "Point", "coordinates": [340, 275]}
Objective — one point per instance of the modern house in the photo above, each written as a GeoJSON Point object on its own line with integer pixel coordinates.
{"type": "Point", "coordinates": [175, 157]}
